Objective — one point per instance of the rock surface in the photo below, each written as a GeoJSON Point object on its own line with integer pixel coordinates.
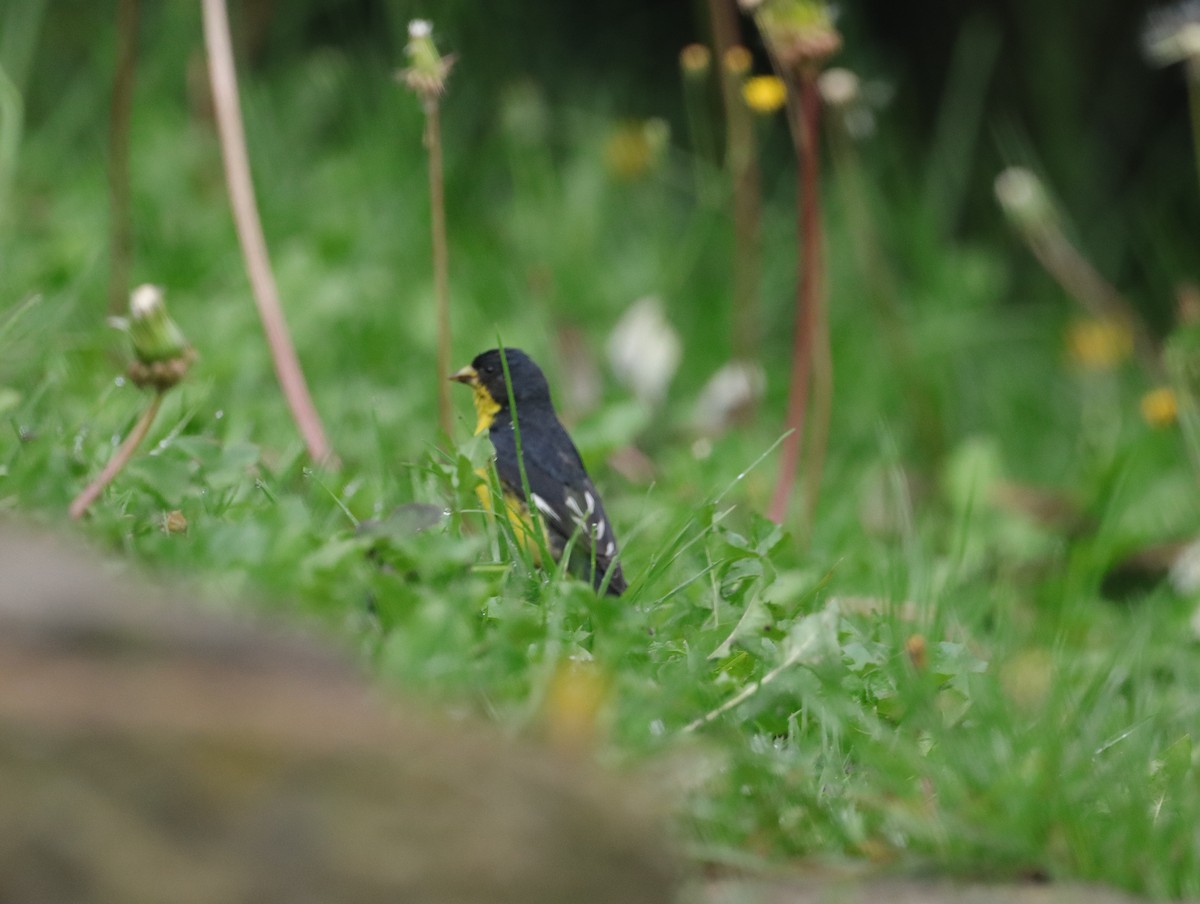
{"type": "Point", "coordinates": [858, 889]}
{"type": "Point", "coordinates": [154, 751]}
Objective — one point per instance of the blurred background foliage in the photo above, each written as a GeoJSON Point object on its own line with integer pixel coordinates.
{"type": "Point", "coordinates": [568, 202]}
{"type": "Point", "coordinates": [1063, 86]}
{"type": "Point", "coordinates": [565, 208]}
{"type": "Point", "coordinates": [970, 87]}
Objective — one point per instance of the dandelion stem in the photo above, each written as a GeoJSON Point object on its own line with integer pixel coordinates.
{"type": "Point", "coordinates": [441, 266]}
{"type": "Point", "coordinates": [120, 458]}
{"type": "Point", "coordinates": [1096, 295]}
{"type": "Point", "coordinates": [741, 162]}
{"type": "Point", "coordinates": [12, 116]}
{"type": "Point", "coordinates": [120, 256]}
{"type": "Point", "coordinates": [804, 117]}
{"type": "Point", "coordinates": [250, 234]}
{"type": "Point", "coordinates": [1193, 83]}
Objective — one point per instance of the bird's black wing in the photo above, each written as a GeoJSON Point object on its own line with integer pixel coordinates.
{"type": "Point", "coordinates": [561, 491]}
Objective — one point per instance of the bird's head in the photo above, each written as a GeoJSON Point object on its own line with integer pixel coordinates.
{"type": "Point", "coordinates": [485, 375]}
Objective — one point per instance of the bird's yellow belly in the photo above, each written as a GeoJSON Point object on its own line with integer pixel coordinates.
{"type": "Point", "coordinates": [517, 513]}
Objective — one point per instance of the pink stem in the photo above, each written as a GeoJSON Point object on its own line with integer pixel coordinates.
{"type": "Point", "coordinates": [120, 458]}
{"type": "Point", "coordinates": [249, 228]}
{"type": "Point", "coordinates": [804, 118]}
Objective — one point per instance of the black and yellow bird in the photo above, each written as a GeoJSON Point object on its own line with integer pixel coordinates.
{"type": "Point", "coordinates": [559, 486]}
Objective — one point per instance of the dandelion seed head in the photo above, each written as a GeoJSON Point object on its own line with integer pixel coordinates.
{"type": "Point", "coordinates": [839, 87]}
{"type": "Point", "coordinates": [731, 393]}
{"type": "Point", "coordinates": [145, 300]}
{"type": "Point", "coordinates": [1172, 34]}
{"type": "Point", "coordinates": [1023, 199]}
{"type": "Point", "coordinates": [1017, 187]}
{"type": "Point", "coordinates": [420, 28]}
{"type": "Point", "coordinates": [644, 350]}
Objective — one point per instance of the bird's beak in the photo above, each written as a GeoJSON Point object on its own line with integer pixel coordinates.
{"type": "Point", "coordinates": [467, 375]}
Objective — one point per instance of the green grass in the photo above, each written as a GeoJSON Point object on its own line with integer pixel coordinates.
{"type": "Point", "coordinates": [1043, 730]}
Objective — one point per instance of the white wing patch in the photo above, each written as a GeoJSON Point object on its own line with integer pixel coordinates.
{"type": "Point", "coordinates": [583, 516]}
{"type": "Point", "coordinates": [544, 507]}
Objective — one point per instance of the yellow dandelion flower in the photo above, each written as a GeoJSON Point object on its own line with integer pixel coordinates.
{"type": "Point", "coordinates": [573, 709]}
{"type": "Point", "coordinates": [1099, 344]}
{"type": "Point", "coordinates": [764, 93]}
{"type": "Point", "coordinates": [695, 59]}
{"type": "Point", "coordinates": [1159, 407]}
{"type": "Point", "coordinates": [737, 60]}
{"type": "Point", "coordinates": [635, 148]}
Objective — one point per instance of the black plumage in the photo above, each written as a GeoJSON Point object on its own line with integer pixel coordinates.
{"type": "Point", "coordinates": [559, 485]}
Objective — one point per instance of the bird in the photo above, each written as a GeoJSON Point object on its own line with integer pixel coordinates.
{"type": "Point", "coordinates": [559, 486]}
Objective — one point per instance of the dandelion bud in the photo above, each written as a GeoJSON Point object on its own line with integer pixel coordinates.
{"type": "Point", "coordinates": [427, 69]}
{"type": "Point", "coordinates": [1024, 201]}
{"type": "Point", "coordinates": [162, 352]}
{"type": "Point", "coordinates": [695, 60]}
{"type": "Point", "coordinates": [800, 33]}
{"type": "Point", "coordinates": [737, 60]}
{"type": "Point", "coordinates": [156, 337]}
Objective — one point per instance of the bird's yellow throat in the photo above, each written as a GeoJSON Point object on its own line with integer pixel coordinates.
{"type": "Point", "coordinates": [485, 406]}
